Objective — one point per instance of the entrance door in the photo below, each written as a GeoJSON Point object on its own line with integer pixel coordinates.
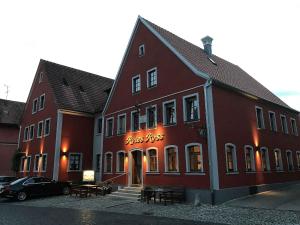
{"type": "Point", "coordinates": [136, 168]}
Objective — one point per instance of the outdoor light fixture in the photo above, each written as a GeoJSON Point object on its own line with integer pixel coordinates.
{"type": "Point", "coordinates": [63, 153]}
{"type": "Point", "coordinates": [125, 154]}
{"type": "Point", "coordinates": [40, 154]}
{"type": "Point", "coordinates": [144, 153]}
{"type": "Point", "coordinates": [257, 148]}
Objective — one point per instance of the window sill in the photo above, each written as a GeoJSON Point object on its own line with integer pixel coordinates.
{"type": "Point", "coordinates": [136, 93]}
{"type": "Point", "coordinates": [195, 174]}
{"type": "Point", "coordinates": [191, 121]}
{"type": "Point", "coordinates": [172, 173]}
{"type": "Point", "coordinates": [120, 172]}
{"type": "Point", "coordinates": [152, 173]}
{"type": "Point", "coordinates": [71, 171]}
{"type": "Point", "coordinates": [232, 173]}
{"type": "Point", "coordinates": [250, 172]}
{"type": "Point", "coordinates": [170, 125]}
{"type": "Point", "coordinates": [109, 136]}
{"type": "Point", "coordinates": [151, 87]}
{"type": "Point", "coordinates": [121, 134]}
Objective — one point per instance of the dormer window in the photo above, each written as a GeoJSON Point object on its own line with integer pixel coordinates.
{"type": "Point", "coordinates": [65, 82]}
{"type": "Point", "coordinates": [141, 50]}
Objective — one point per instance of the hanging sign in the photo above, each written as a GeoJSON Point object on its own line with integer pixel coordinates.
{"type": "Point", "coordinates": [148, 138]}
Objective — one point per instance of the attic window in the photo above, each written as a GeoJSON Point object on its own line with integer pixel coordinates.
{"type": "Point", "coordinates": [81, 88]}
{"type": "Point", "coordinates": [213, 62]}
{"type": "Point", "coordinates": [141, 50]}
{"type": "Point", "coordinates": [65, 82]}
{"type": "Point", "coordinates": [41, 77]}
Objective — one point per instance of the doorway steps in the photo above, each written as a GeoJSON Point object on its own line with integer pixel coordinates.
{"type": "Point", "coordinates": [129, 193]}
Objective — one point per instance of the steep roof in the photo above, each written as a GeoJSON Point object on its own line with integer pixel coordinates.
{"type": "Point", "coordinates": [11, 112]}
{"type": "Point", "coordinates": [77, 90]}
{"type": "Point", "coordinates": [217, 69]}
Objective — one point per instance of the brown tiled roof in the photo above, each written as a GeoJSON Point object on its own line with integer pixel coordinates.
{"type": "Point", "coordinates": [11, 112]}
{"type": "Point", "coordinates": [77, 90]}
{"type": "Point", "coordinates": [223, 71]}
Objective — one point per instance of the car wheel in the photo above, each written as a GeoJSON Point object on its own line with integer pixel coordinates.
{"type": "Point", "coordinates": [22, 196]}
{"type": "Point", "coordinates": [66, 190]}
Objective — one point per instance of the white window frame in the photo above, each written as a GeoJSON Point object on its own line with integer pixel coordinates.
{"type": "Point", "coordinates": [118, 162]}
{"type": "Point", "coordinates": [26, 135]}
{"type": "Point", "coordinates": [252, 158]}
{"type": "Point", "coordinates": [118, 124]}
{"type": "Point", "coordinates": [32, 126]}
{"type": "Point", "coordinates": [262, 118]}
{"type": "Point", "coordinates": [187, 159]}
{"type": "Point", "coordinates": [275, 123]}
{"type": "Point", "coordinates": [132, 121]}
{"type": "Point", "coordinates": [38, 162]}
{"type": "Point", "coordinates": [234, 158]}
{"type": "Point", "coordinates": [148, 80]}
{"type": "Point", "coordinates": [267, 159]}
{"type": "Point", "coordinates": [81, 159]}
{"type": "Point", "coordinates": [106, 127]}
{"type": "Point", "coordinates": [48, 119]}
{"type": "Point", "coordinates": [26, 164]}
{"type": "Point", "coordinates": [280, 168]}
{"type": "Point", "coordinates": [105, 163]}
{"type": "Point", "coordinates": [46, 163]}
{"type": "Point", "coordinates": [155, 117]}
{"type": "Point", "coordinates": [140, 52]}
{"type": "Point", "coordinates": [294, 129]}
{"type": "Point", "coordinates": [132, 84]}
{"type": "Point", "coordinates": [286, 123]}
{"type": "Point", "coordinates": [98, 120]}
{"type": "Point", "coordinates": [39, 105]}
{"type": "Point", "coordinates": [148, 160]}
{"type": "Point", "coordinates": [166, 159]}
{"type": "Point", "coordinates": [38, 129]}
{"type": "Point", "coordinates": [164, 112]}
{"type": "Point", "coordinates": [298, 159]}
{"type": "Point", "coordinates": [185, 110]}
{"type": "Point", "coordinates": [287, 160]}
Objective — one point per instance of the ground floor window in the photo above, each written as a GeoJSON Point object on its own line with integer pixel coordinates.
{"type": "Point", "coordinates": [22, 164]}
{"type": "Point", "coordinates": [120, 161]}
{"type": "Point", "coordinates": [152, 160]}
{"type": "Point", "coordinates": [278, 160]}
{"type": "Point", "coordinates": [75, 161]}
{"type": "Point", "coordinates": [231, 161]}
{"type": "Point", "coordinates": [249, 159]}
{"type": "Point", "coordinates": [194, 162]}
{"type": "Point", "coordinates": [298, 159]}
{"type": "Point", "coordinates": [289, 158]}
{"type": "Point", "coordinates": [108, 162]}
{"type": "Point", "coordinates": [264, 158]}
{"type": "Point", "coordinates": [28, 163]}
{"type": "Point", "coordinates": [171, 159]}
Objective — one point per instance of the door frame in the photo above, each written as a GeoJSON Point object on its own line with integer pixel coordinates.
{"type": "Point", "coordinates": [130, 166]}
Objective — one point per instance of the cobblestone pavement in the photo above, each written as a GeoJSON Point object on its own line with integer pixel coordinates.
{"type": "Point", "coordinates": [216, 214]}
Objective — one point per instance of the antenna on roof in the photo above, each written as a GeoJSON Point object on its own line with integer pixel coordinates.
{"type": "Point", "coordinates": [7, 90]}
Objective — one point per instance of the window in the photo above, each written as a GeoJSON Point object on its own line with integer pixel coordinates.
{"type": "Point", "coordinates": [152, 78]}
{"type": "Point", "coordinates": [42, 102]}
{"type": "Point", "coordinates": [34, 105]}
{"type": "Point", "coordinates": [249, 158]}
{"type": "Point", "coordinates": [152, 164]}
{"type": "Point", "coordinates": [141, 50]}
{"type": "Point", "coordinates": [171, 159]}
{"type": "Point", "coordinates": [41, 77]}
{"type": "Point", "coordinates": [75, 162]}
{"type": "Point", "coordinates": [122, 124]}
{"type": "Point", "coordinates": [44, 163]}
{"type": "Point", "coordinates": [193, 155]}
{"type": "Point", "coordinates": [135, 120]}
{"type": "Point", "coordinates": [47, 127]}
{"type": "Point", "coordinates": [120, 161]}
{"type": "Point", "coordinates": [36, 163]}
{"type": "Point", "coordinates": [294, 127]}
{"type": "Point", "coordinates": [108, 162]}
{"type": "Point", "coordinates": [260, 118]}
{"type": "Point", "coordinates": [273, 125]}
{"type": "Point", "coordinates": [191, 108]}
{"type": "Point", "coordinates": [40, 129]}
{"type": "Point", "coordinates": [264, 159]}
{"type": "Point", "coordinates": [278, 160]}
{"type": "Point", "coordinates": [31, 132]}
{"type": "Point", "coordinates": [99, 125]}
{"type": "Point", "coordinates": [169, 112]}
{"type": "Point", "coordinates": [151, 117]}
{"type": "Point", "coordinates": [26, 133]}
{"type": "Point", "coordinates": [284, 124]}
{"type": "Point", "coordinates": [98, 158]}
{"type": "Point", "coordinates": [298, 159]}
{"type": "Point", "coordinates": [136, 84]}
{"type": "Point", "coordinates": [109, 127]}
{"type": "Point", "coordinates": [289, 158]}
{"type": "Point", "coordinates": [28, 163]}
{"type": "Point", "coordinates": [22, 163]}
{"type": "Point", "coordinates": [231, 161]}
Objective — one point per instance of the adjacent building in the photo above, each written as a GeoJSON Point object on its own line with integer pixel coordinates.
{"type": "Point", "coordinates": [61, 125]}
{"type": "Point", "coordinates": [180, 115]}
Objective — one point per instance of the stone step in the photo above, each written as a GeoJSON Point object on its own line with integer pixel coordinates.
{"type": "Point", "coordinates": [130, 191]}
{"type": "Point", "coordinates": [124, 197]}
{"type": "Point", "coordinates": [134, 195]}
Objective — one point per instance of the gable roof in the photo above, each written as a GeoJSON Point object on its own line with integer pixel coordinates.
{"type": "Point", "coordinates": [77, 90]}
{"type": "Point", "coordinates": [11, 112]}
{"type": "Point", "coordinates": [217, 69]}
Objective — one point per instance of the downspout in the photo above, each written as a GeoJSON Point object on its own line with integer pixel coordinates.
{"type": "Point", "coordinates": [101, 146]}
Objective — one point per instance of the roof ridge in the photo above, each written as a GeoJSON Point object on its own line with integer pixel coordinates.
{"type": "Point", "coordinates": [7, 100]}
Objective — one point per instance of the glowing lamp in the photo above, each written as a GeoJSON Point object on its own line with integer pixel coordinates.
{"type": "Point", "coordinates": [88, 176]}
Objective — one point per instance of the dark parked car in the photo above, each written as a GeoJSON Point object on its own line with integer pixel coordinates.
{"type": "Point", "coordinates": [5, 180]}
{"type": "Point", "coordinates": [26, 187]}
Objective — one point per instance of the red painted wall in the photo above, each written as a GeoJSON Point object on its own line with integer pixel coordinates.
{"type": "Point", "coordinates": [235, 121]}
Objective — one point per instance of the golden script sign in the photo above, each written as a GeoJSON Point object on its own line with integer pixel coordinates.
{"type": "Point", "coordinates": [149, 138]}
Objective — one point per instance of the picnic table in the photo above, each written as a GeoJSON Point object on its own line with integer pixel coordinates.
{"type": "Point", "coordinates": [158, 192]}
{"type": "Point", "coordinates": [85, 190]}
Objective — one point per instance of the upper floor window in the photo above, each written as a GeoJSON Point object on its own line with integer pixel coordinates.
{"type": "Point", "coordinates": [273, 125]}
{"type": "Point", "coordinates": [47, 127]}
{"type": "Point", "coordinates": [34, 105]}
{"type": "Point", "coordinates": [122, 124]}
{"type": "Point", "coordinates": [152, 165]}
{"type": "Point", "coordinates": [294, 127]}
{"type": "Point", "coordinates": [169, 112]}
{"type": "Point", "coordinates": [171, 159]}
{"type": "Point", "coordinates": [278, 160]}
{"type": "Point", "coordinates": [26, 134]}
{"type": "Point", "coordinates": [109, 127]}
{"type": "Point", "coordinates": [249, 158]}
{"type": "Point", "coordinates": [108, 162]}
{"type": "Point", "coordinates": [152, 78]}
{"type": "Point", "coordinates": [141, 50]}
{"type": "Point", "coordinates": [31, 132]}
{"type": "Point", "coordinates": [42, 102]}
{"type": "Point", "coordinates": [284, 124]}
{"type": "Point", "coordinates": [264, 159]}
{"type": "Point", "coordinates": [99, 125]}
{"type": "Point", "coordinates": [41, 77]}
{"type": "Point", "coordinates": [75, 161]}
{"type": "Point", "coordinates": [40, 129]}
{"type": "Point", "coordinates": [259, 118]}
{"type": "Point", "coordinates": [120, 161]}
{"type": "Point", "coordinates": [191, 108]}
{"type": "Point", "coordinates": [135, 121]}
{"type": "Point", "coordinates": [231, 160]}
{"type": "Point", "coordinates": [193, 155]}
{"type": "Point", "coordinates": [298, 159]}
{"type": "Point", "coordinates": [151, 117]}
{"type": "Point", "coordinates": [136, 84]}
{"type": "Point", "coordinates": [289, 158]}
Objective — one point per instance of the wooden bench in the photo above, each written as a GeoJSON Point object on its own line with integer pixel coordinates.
{"type": "Point", "coordinates": [174, 194]}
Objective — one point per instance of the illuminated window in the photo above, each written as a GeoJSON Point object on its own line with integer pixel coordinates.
{"type": "Point", "coordinates": [40, 129]}
{"type": "Point", "coordinates": [109, 127]}
{"type": "Point", "coordinates": [108, 162]}
{"type": "Point", "coordinates": [259, 118]}
{"type": "Point", "coordinates": [284, 124]}
{"type": "Point", "coordinates": [249, 158]}
{"type": "Point", "coordinates": [264, 159]}
{"type": "Point", "coordinates": [191, 108]}
{"type": "Point", "coordinates": [34, 105]}
{"type": "Point", "coordinates": [135, 120]}
{"type": "Point", "coordinates": [151, 117]}
{"type": "Point", "coordinates": [31, 132]}
{"type": "Point", "coordinates": [120, 161]}
{"type": "Point", "coordinates": [136, 84]}
{"type": "Point", "coordinates": [28, 164]}
{"type": "Point", "coordinates": [278, 160]}
{"type": "Point", "coordinates": [294, 127]}
{"type": "Point", "coordinates": [171, 159]}
{"type": "Point", "coordinates": [152, 78]}
{"type": "Point", "coordinates": [152, 160]}
{"type": "Point", "coordinates": [75, 161]}
{"type": "Point", "coordinates": [273, 125]}
{"type": "Point", "coordinates": [231, 161]}
{"type": "Point", "coordinates": [289, 158]}
{"type": "Point", "coordinates": [141, 50]}
{"type": "Point", "coordinates": [47, 127]}
{"type": "Point", "coordinates": [122, 124]}
{"type": "Point", "coordinates": [169, 112]}
{"type": "Point", "coordinates": [42, 102]}
{"type": "Point", "coordinates": [298, 159]}
{"type": "Point", "coordinates": [193, 155]}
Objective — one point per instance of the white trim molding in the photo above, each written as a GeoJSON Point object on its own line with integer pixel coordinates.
{"type": "Point", "coordinates": [106, 127]}
{"type": "Point", "coordinates": [270, 120]}
{"type": "Point", "coordinates": [81, 160]}
{"type": "Point", "coordinates": [185, 119]}
{"type": "Point", "coordinates": [156, 77]}
{"type": "Point", "coordinates": [42, 107]}
{"type": "Point", "coordinates": [118, 124]}
{"type": "Point", "coordinates": [165, 115]}
{"type": "Point", "coordinates": [155, 117]}
{"type": "Point", "coordinates": [132, 121]}
{"type": "Point", "coordinates": [133, 87]}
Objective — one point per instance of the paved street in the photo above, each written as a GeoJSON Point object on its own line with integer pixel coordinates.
{"type": "Point", "coordinates": [24, 215]}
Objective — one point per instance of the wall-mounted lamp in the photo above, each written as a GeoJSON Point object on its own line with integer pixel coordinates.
{"type": "Point", "coordinates": [257, 148]}
{"type": "Point", "coordinates": [63, 153]}
{"type": "Point", "coordinates": [40, 155]}
{"type": "Point", "coordinates": [126, 154]}
{"type": "Point", "coordinates": [144, 154]}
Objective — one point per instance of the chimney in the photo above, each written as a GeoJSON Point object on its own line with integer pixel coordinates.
{"type": "Point", "coordinates": [207, 44]}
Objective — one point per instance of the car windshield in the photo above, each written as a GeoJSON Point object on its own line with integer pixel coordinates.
{"type": "Point", "coordinates": [19, 180]}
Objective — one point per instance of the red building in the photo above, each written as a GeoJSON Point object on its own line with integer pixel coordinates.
{"type": "Point", "coordinates": [62, 115]}
{"type": "Point", "coordinates": [180, 115]}
{"type": "Point", "coordinates": [10, 115]}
